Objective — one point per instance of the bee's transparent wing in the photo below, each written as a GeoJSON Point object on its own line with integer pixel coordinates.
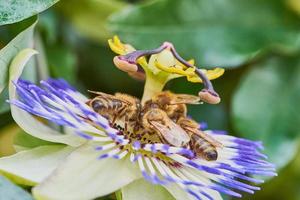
{"type": "Point", "coordinates": [206, 137]}
{"type": "Point", "coordinates": [172, 133]}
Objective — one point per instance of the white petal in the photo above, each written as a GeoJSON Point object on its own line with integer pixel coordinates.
{"type": "Point", "coordinates": [32, 166]}
{"type": "Point", "coordinates": [83, 176]}
{"type": "Point", "coordinates": [143, 190]}
{"type": "Point", "coordinates": [205, 178]}
{"type": "Point", "coordinates": [177, 192]}
{"type": "Point", "coordinates": [26, 121]}
{"type": "Point", "coordinates": [180, 194]}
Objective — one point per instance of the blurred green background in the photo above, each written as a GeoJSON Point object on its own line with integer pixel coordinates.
{"type": "Point", "coordinates": [256, 41]}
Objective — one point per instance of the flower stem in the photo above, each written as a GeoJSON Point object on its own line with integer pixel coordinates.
{"type": "Point", "coordinates": [154, 84]}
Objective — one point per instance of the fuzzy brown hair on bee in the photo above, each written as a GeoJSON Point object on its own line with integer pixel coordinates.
{"type": "Point", "coordinates": [175, 106]}
{"type": "Point", "coordinates": [161, 119]}
{"type": "Point", "coordinates": [116, 106]}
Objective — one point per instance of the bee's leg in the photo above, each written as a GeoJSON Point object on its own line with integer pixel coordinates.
{"type": "Point", "coordinates": [192, 127]}
{"type": "Point", "coordinates": [126, 124]}
{"type": "Point", "coordinates": [121, 113]}
{"type": "Point", "coordinates": [114, 119]}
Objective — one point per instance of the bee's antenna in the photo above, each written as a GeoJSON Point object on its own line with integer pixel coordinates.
{"type": "Point", "coordinates": [95, 92]}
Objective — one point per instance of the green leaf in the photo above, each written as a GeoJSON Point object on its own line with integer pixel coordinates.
{"type": "Point", "coordinates": [89, 18]}
{"type": "Point", "coordinates": [48, 26]}
{"type": "Point", "coordinates": [99, 59]}
{"type": "Point", "coordinates": [9, 191]}
{"type": "Point", "coordinates": [5, 119]}
{"type": "Point", "coordinates": [7, 53]}
{"type": "Point", "coordinates": [266, 107]}
{"type": "Point", "coordinates": [12, 11]}
{"type": "Point", "coordinates": [4, 106]}
{"type": "Point", "coordinates": [62, 63]}
{"type": "Point", "coordinates": [216, 33]}
{"type": "Point", "coordinates": [32, 166]}
{"type": "Point", "coordinates": [41, 65]}
{"type": "Point", "coordinates": [23, 40]}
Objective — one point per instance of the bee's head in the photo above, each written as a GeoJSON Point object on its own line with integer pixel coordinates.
{"type": "Point", "coordinates": [211, 155]}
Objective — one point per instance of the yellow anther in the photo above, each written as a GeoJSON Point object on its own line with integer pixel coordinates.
{"type": "Point", "coordinates": [118, 47]}
{"type": "Point", "coordinates": [211, 75]}
{"type": "Point", "coordinates": [175, 69]}
{"type": "Point", "coordinates": [190, 72]}
{"type": "Point", "coordinates": [192, 62]}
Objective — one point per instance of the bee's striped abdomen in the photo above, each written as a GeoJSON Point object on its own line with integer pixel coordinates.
{"type": "Point", "coordinates": [101, 104]}
{"type": "Point", "coordinates": [203, 148]}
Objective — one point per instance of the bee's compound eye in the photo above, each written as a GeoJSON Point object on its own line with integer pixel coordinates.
{"type": "Point", "coordinates": [211, 156]}
{"type": "Point", "coordinates": [97, 105]}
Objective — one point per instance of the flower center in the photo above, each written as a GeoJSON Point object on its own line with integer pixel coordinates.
{"type": "Point", "coordinates": [156, 128]}
{"type": "Point", "coordinates": [144, 144]}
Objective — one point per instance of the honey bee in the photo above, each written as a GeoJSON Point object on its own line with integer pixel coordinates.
{"type": "Point", "coordinates": [175, 106]}
{"type": "Point", "coordinates": [161, 119]}
{"type": "Point", "coordinates": [202, 144]}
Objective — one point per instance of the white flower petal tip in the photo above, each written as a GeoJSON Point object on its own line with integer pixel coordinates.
{"type": "Point", "coordinates": [25, 167]}
{"type": "Point", "coordinates": [160, 164]}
